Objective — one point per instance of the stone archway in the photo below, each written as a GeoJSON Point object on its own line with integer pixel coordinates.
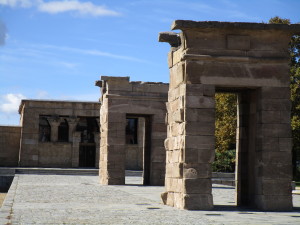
{"type": "Point", "coordinates": [121, 99]}
{"type": "Point", "coordinates": [252, 59]}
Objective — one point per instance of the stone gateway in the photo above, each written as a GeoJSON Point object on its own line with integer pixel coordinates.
{"type": "Point", "coordinates": [249, 59]}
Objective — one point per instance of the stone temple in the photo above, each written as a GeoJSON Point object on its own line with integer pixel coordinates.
{"type": "Point", "coordinates": [251, 60]}
{"type": "Point", "coordinates": [168, 130]}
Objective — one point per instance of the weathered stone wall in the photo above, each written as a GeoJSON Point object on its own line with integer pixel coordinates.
{"type": "Point", "coordinates": [52, 154]}
{"type": "Point", "coordinates": [55, 154]}
{"type": "Point", "coordinates": [251, 60]}
{"type": "Point", "coordinates": [120, 98]}
{"type": "Point", "coordinates": [9, 145]}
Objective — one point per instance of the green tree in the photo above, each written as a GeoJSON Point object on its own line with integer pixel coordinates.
{"type": "Point", "coordinates": [225, 132]}
{"type": "Point", "coordinates": [294, 49]}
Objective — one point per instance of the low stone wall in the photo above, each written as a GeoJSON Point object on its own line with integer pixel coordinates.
{"type": "Point", "coordinates": [9, 145]}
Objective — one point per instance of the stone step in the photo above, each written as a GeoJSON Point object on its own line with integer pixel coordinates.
{"type": "Point", "coordinates": [224, 181]}
{"type": "Point", "coordinates": [58, 171]}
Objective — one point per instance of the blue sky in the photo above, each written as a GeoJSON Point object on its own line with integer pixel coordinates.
{"type": "Point", "coordinates": [57, 49]}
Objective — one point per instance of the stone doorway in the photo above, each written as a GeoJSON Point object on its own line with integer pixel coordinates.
{"type": "Point", "coordinates": [205, 57]}
{"type": "Point", "coordinates": [122, 99]}
{"type": "Point", "coordinates": [87, 127]}
{"type": "Point", "coordinates": [87, 155]}
{"type": "Point", "coordinates": [134, 128]}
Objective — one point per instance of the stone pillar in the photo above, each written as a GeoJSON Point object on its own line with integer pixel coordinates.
{"type": "Point", "coordinates": [75, 148]}
{"type": "Point", "coordinates": [112, 147]}
{"type": "Point", "coordinates": [141, 144]}
{"type": "Point", "coordinates": [158, 152]}
{"type": "Point", "coordinates": [97, 148]}
{"type": "Point", "coordinates": [273, 169]}
{"type": "Point", "coordinates": [72, 123]}
{"type": "Point", "coordinates": [54, 123]}
{"type": "Point", "coordinates": [245, 148]}
{"type": "Point", "coordinates": [190, 145]}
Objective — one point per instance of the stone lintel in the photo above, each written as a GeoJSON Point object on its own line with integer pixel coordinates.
{"type": "Point", "coordinates": [248, 59]}
{"type": "Point", "coordinates": [171, 37]}
{"type": "Point", "coordinates": [113, 78]}
{"type": "Point", "coordinates": [98, 83]}
{"type": "Point", "coordinates": [189, 24]}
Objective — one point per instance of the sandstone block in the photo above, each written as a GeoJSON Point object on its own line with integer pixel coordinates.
{"type": "Point", "coordinates": [177, 104]}
{"type": "Point", "coordinates": [199, 128]}
{"type": "Point", "coordinates": [197, 170]}
{"type": "Point", "coordinates": [275, 105]}
{"type": "Point", "coordinates": [164, 197]}
{"type": "Point", "coordinates": [238, 42]}
{"type": "Point", "coordinates": [176, 75]}
{"type": "Point", "coordinates": [177, 156]}
{"type": "Point", "coordinates": [174, 170]}
{"type": "Point", "coordinates": [177, 129]}
{"type": "Point", "coordinates": [200, 102]}
{"type": "Point", "coordinates": [197, 201]}
{"type": "Point", "coordinates": [276, 157]}
{"type": "Point", "coordinates": [200, 142]}
{"type": "Point", "coordinates": [197, 186]}
{"type": "Point", "coordinates": [170, 59]}
{"type": "Point", "coordinates": [267, 144]}
{"type": "Point", "coordinates": [277, 187]}
{"type": "Point", "coordinates": [270, 117]}
{"type": "Point", "coordinates": [285, 144]}
{"type": "Point", "coordinates": [178, 200]}
{"type": "Point", "coordinates": [274, 130]}
{"type": "Point", "coordinates": [274, 202]}
{"type": "Point", "coordinates": [159, 127]}
{"type": "Point", "coordinates": [275, 171]}
{"type": "Point", "coordinates": [177, 116]}
{"type": "Point", "coordinates": [200, 115]}
{"type": "Point", "coordinates": [275, 93]}
{"type": "Point", "coordinates": [170, 199]}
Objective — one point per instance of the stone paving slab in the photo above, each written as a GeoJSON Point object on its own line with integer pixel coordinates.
{"type": "Point", "coordinates": [61, 199]}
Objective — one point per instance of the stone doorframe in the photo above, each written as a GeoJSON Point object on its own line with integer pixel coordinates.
{"type": "Point", "coordinates": [248, 58]}
{"type": "Point", "coordinates": [121, 97]}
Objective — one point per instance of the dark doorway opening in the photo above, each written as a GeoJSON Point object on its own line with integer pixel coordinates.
{"type": "Point", "coordinates": [133, 130]}
{"type": "Point", "coordinates": [63, 131]}
{"type": "Point", "coordinates": [87, 154]}
{"type": "Point", "coordinates": [87, 147]}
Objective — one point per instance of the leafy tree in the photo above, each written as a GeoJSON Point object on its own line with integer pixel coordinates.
{"type": "Point", "coordinates": [225, 132]}
{"type": "Point", "coordinates": [294, 49]}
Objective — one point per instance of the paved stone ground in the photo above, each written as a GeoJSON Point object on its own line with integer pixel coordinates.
{"type": "Point", "coordinates": [63, 199]}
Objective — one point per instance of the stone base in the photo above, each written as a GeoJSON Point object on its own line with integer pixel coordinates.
{"type": "Point", "coordinates": [188, 201]}
{"type": "Point", "coordinates": [279, 203]}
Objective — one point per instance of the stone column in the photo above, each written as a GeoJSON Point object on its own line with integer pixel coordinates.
{"type": "Point", "coordinates": [273, 163]}
{"type": "Point", "coordinates": [245, 148]}
{"type": "Point", "coordinates": [72, 123]}
{"type": "Point", "coordinates": [190, 145]}
{"type": "Point", "coordinates": [54, 123]}
{"type": "Point", "coordinates": [97, 146]}
{"type": "Point", "coordinates": [141, 144]}
{"type": "Point", "coordinates": [75, 149]}
{"type": "Point", "coordinates": [112, 147]}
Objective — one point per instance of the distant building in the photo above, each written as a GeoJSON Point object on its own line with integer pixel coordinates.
{"type": "Point", "coordinates": [52, 134]}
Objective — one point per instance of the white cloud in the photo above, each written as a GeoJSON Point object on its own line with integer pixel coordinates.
{"type": "Point", "coordinates": [83, 8]}
{"type": "Point", "coordinates": [10, 103]}
{"type": "Point", "coordinates": [54, 7]}
{"type": "Point", "coordinates": [93, 52]}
